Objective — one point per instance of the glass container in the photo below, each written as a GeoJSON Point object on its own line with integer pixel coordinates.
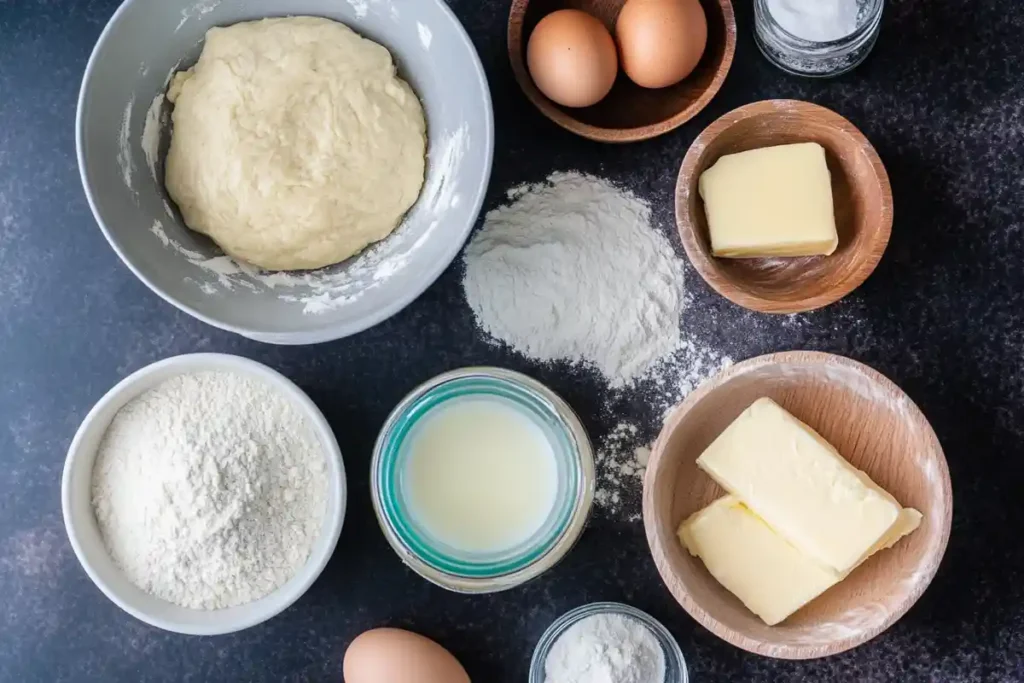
{"type": "Point", "coordinates": [484, 572]}
{"type": "Point", "coordinates": [804, 57]}
{"type": "Point", "coordinates": [675, 664]}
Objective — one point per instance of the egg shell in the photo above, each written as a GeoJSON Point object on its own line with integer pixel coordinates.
{"type": "Point", "coordinates": [572, 58]}
{"type": "Point", "coordinates": [661, 41]}
{"type": "Point", "coordinates": [391, 655]}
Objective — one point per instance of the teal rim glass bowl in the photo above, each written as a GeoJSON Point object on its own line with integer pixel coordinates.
{"type": "Point", "coordinates": [675, 664]}
{"type": "Point", "coordinates": [484, 572]}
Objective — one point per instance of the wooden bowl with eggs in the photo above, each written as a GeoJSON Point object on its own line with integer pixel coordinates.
{"type": "Point", "coordinates": [861, 196]}
{"type": "Point", "coordinates": [875, 427]}
{"type": "Point", "coordinates": [629, 112]}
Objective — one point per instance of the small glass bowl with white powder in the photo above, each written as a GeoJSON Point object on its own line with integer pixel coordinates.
{"type": "Point", "coordinates": [204, 493]}
{"type": "Point", "coordinates": [607, 641]}
{"type": "Point", "coordinates": [482, 479]}
{"type": "Point", "coordinates": [817, 38]}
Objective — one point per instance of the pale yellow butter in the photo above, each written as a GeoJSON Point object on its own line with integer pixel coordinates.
{"type": "Point", "coordinates": [773, 201]}
{"type": "Point", "coordinates": [796, 481]}
{"type": "Point", "coordinates": [907, 522]}
{"type": "Point", "coordinates": [768, 574]}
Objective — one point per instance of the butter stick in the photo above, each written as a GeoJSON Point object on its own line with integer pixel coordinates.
{"type": "Point", "coordinates": [767, 573]}
{"type": "Point", "coordinates": [801, 486]}
{"type": "Point", "coordinates": [770, 576]}
{"type": "Point", "coordinates": [773, 201]}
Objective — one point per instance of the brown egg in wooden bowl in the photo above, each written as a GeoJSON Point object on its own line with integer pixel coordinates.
{"type": "Point", "coordinates": [628, 112]}
{"type": "Point", "coordinates": [861, 195]}
{"type": "Point", "coordinates": [871, 424]}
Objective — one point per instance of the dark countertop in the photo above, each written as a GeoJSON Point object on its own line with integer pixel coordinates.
{"type": "Point", "coordinates": [941, 98]}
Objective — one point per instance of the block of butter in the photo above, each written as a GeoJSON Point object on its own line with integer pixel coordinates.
{"type": "Point", "coordinates": [767, 573]}
{"type": "Point", "coordinates": [773, 201]}
{"type": "Point", "coordinates": [796, 481]}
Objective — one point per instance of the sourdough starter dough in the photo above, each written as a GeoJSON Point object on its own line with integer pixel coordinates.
{"type": "Point", "coordinates": [295, 144]}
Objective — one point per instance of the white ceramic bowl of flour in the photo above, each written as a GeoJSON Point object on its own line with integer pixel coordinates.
{"type": "Point", "coordinates": [84, 532]}
{"type": "Point", "coordinates": [122, 136]}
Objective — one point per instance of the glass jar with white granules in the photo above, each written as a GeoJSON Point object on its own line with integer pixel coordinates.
{"type": "Point", "coordinates": [817, 38]}
{"type": "Point", "coordinates": [607, 641]}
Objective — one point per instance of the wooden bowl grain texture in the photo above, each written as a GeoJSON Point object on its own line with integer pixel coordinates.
{"type": "Point", "coordinates": [628, 113]}
{"type": "Point", "coordinates": [876, 427]}
{"type": "Point", "coordinates": [861, 195]}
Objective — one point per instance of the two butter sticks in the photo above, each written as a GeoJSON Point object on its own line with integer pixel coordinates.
{"type": "Point", "coordinates": [798, 518]}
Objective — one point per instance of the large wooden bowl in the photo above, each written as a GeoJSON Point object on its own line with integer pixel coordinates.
{"type": "Point", "coordinates": [876, 427]}
{"type": "Point", "coordinates": [861, 196]}
{"type": "Point", "coordinates": [629, 112]}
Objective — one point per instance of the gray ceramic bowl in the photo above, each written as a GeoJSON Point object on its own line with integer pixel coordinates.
{"type": "Point", "coordinates": [122, 135]}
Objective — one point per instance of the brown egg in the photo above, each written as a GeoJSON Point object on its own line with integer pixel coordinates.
{"type": "Point", "coordinates": [572, 58]}
{"type": "Point", "coordinates": [661, 41]}
{"type": "Point", "coordinates": [391, 655]}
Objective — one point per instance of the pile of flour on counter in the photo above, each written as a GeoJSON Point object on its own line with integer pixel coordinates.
{"type": "Point", "coordinates": [572, 270]}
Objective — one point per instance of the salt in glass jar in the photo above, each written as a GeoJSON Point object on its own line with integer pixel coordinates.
{"type": "Point", "coordinates": [808, 56]}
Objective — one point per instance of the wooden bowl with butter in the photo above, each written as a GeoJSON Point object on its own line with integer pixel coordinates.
{"type": "Point", "coordinates": [875, 427]}
{"type": "Point", "coordinates": [861, 196]}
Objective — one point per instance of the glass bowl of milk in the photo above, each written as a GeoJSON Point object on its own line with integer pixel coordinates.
{"type": "Point", "coordinates": [482, 479]}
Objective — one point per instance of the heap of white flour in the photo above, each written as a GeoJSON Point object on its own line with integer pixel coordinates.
{"type": "Point", "coordinates": [572, 270]}
{"type": "Point", "coordinates": [209, 490]}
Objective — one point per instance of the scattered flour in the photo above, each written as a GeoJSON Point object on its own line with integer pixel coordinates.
{"type": "Point", "coordinates": [360, 7]}
{"type": "Point", "coordinates": [36, 552]}
{"type": "Point", "coordinates": [124, 148]}
{"type": "Point", "coordinates": [425, 35]}
{"type": "Point", "coordinates": [199, 9]}
{"type": "Point", "coordinates": [151, 129]}
{"type": "Point", "coordinates": [622, 454]}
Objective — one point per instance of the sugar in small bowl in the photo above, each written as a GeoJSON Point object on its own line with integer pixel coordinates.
{"type": "Point", "coordinates": [482, 479]}
{"type": "Point", "coordinates": [607, 641]}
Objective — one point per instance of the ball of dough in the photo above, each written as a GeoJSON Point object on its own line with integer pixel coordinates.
{"type": "Point", "coordinates": [295, 144]}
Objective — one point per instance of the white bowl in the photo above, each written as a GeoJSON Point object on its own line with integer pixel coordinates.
{"type": "Point", "coordinates": [122, 167]}
{"type": "Point", "coordinates": [80, 522]}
